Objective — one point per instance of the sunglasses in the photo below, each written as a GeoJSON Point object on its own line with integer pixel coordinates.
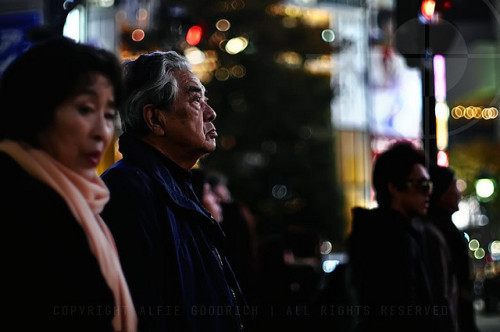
{"type": "Point", "coordinates": [422, 185]}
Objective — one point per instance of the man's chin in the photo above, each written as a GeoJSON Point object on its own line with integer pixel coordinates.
{"type": "Point", "coordinates": [210, 147]}
{"type": "Point", "coordinates": [207, 151]}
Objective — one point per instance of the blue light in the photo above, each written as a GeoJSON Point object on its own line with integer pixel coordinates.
{"type": "Point", "coordinates": [330, 265]}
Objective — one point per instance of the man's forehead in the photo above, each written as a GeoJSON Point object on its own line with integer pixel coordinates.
{"type": "Point", "coordinates": [188, 81]}
{"type": "Point", "coordinates": [420, 171]}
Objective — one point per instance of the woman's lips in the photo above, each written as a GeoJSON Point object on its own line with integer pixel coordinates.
{"type": "Point", "coordinates": [94, 158]}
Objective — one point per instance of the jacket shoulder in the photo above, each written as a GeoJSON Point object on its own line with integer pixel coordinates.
{"type": "Point", "coordinates": [123, 175]}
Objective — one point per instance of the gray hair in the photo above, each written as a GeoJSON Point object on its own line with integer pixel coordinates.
{"type": "Point", "coordinates": [149, 80]}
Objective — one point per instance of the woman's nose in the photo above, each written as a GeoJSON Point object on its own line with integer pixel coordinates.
{"type": "Point", "coordinates": [102, 130]}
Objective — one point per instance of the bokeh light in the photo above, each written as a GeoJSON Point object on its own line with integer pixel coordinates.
{"type": "Point", "coordinates": [474, 244]}
{"type": "Point", "coordinates": [328, 35]}
{"type": "Point", "coordinates": [194, 55]}
{"type": "Point", "coordinates": [485, 188]}
{"type": "Point", "coordinates": [142, 14]}
{"type": "Point", "coordinates": [279, 191]}
{"type": "Point", "coordinates": [330, 265]}
{"type": "Point", "coordinates": [326, 247]}
{"type": "Point", "coordinates": [495, 250]}
{"type": "Point", "coordinates": [461, 185]}
{"type": "Point", "coordinates": [479, 253]}
{"type": "Point", "coordinates": [138, 35]}
{"type": "Point", "coordinates": [223, 25]}
{"type": "Point", "coordinates": [474, 112]}
{"type": "Point", "coordinates": [193, 35]}
{"type": "Point", "coordinates": [236, 45]}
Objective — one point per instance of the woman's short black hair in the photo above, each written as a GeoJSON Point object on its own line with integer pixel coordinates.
{"type": "Point", "coordinates": [45, 76]}
{"type": "Point", "coordinates": [394, 166]}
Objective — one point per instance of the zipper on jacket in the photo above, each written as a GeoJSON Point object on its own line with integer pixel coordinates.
{"type": "Point", "coordinates": [233, 294]}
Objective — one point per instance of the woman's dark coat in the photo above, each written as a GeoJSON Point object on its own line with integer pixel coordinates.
{"type": "Point", "coordinates": [51, 280]}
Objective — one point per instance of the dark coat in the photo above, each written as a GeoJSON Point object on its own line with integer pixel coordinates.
{"type": "Point", "coordinates": [171, 249]}
{"type": "Point", "coordinates": [51, 280]}
{"type": "Point", "coordinates": [460, 267]}
{"type": "Point", "coordinates": [388, 273]}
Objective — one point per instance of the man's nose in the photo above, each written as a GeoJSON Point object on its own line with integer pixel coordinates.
{"type": "Point", "coordinates": [209, 113]}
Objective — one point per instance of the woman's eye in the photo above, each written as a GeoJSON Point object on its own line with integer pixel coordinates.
{"type": "Point", "coordinates": [110, 115]}
{"type": "Point", "coordinates": [84, 109]}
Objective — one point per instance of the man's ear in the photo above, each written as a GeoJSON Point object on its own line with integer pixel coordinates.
{"type": "Point", "coordinates": [151, 117]}
{"type": "Point", "coordinates": [392, 189]}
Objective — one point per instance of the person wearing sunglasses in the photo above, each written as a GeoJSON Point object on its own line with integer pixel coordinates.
{"type": "Point", "coordinates": [388, 275]}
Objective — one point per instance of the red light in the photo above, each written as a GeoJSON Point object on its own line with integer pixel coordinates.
{"type": "Point", "coordinates": [442, 5]}
{"type": "Point", "coordinates": [442, 159]}
{"type": "Point", "coordinates": [138, 35]}
{"type": "Point", "coordinates": [193, 36]}
{"type": "Point", "coordinates": [427, 9]}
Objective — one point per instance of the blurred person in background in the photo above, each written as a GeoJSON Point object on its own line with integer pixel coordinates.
{"type": "Point", "coordinates": [171, 249]}
{"type": "Point", "coordinates": [444, 202]}
{"type": "Point", "coordinates": [60, 263]}
{"type": "Point", "coordinates": [387, 270]}
{"type": "Point", "coordinates": [238, 224]}
{"type": "Point", "coordinates": [209, 199]}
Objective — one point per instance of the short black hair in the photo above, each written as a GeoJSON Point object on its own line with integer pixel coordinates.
{"type": "Point", "coordinates": [442, 178]}
{"type": "Point", "coordinates": [394, 166]}
{"type": "Point", "coordinates": [45, 76]}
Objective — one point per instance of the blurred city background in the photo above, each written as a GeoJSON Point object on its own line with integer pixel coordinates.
{"type": "Point", "coordinates": [307, 93]}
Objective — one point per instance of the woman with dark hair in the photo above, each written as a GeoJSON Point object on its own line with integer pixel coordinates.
{"type": "Point", "coordinates": [61, 268]}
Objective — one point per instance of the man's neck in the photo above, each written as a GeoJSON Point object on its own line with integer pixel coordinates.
{"type": "Point", "coordinates": [403, 212]}
{"type": "Point", "coordinates": [176, 155]}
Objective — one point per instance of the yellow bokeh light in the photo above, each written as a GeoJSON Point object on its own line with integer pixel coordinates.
{"type": "Point", "coordinates": [238, 71]}
{"type": "Point", "coordinates": [236, 45]}
{"type": "Point", "coordinates": [288, 58]}
{"type": "Point", "coordinates": [474, 112]}
{"type": "Point", "coordinates": [222, 74]}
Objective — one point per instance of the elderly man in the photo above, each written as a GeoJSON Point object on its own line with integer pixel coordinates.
{"type": "Point", "coordinates": [169, 244]}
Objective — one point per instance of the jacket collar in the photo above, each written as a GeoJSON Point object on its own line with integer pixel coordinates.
{"type": "Point", "coordinates": [176, 181]}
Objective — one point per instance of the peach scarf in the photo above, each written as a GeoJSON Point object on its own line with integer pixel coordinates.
{"type": "Point", "coordinates": [86, 199]}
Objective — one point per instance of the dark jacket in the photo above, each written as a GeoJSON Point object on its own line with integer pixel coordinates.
{"type": "Point", "coordinates": [51, 280]}
{"type": "Point", "coordinates": [171, 249]}
{"type": "Point", "coordinates": [460, 267]}
{"type": "Point", "coordinates": [388, 273]}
